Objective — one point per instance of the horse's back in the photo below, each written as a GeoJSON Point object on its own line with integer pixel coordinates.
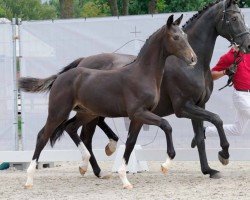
{"type": "Point", "coordinates": [106, 61]}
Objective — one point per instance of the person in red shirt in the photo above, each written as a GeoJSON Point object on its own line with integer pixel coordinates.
{"type": "Point", "coordinates": [241, 93]}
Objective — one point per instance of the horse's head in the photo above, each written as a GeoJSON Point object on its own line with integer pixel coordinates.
{"type": "Point", "coordinates": [232, 25]}
{"type": "Point", "coordinates": [176, 42]}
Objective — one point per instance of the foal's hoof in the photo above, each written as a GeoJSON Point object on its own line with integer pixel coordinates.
{"type": "Point", "coordinates": [224, 161]}
{"type": "Point", "coordinates": [164, 170]}
{"type": "Point", "coordinates": [82, 171]}
{"type": "Point", "coordinates": [104, 175]}
{"type": "Point", "coordinates": [215, 175]}
{"type": "Point", "coordinates": [108, 151]}
{"type": "Point", "coordinates": [28, 186]}
{"type": "Point", "coordinates": [128, 186]}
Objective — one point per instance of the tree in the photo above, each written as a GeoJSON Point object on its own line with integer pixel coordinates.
{"type": "Point", "coordinates": [66, 8]}
{"type": "Point", "coordinates": [152, 6]}
{"type": "Point", "coordinates": [113, 7]}
{"type": "Point", "coordinates": [125, 7]}
{"type": "Point", "coordinates": [26, 9]}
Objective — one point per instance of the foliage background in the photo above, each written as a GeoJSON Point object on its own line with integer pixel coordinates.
{"type": "Point", "coordinates": [53, 9]}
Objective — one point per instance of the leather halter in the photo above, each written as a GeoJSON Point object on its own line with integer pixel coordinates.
{"type": "Point", "coordinates": [229, 25]}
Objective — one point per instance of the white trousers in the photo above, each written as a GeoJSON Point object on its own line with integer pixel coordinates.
{"type": "Point", "coordinates": [241, 102]}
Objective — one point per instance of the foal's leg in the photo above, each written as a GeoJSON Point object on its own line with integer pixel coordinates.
{"type": "Point", "coordinates": [194, 112]}
{"type": "Point", "coordinates": [139, 118]}
{"type": "Point", "coordinates": [147, 117]}
{"type": "Point", "coordinates": [71, 129]}
{"type": "Point", "coordinates": [134, 129]}
{"type": "Point", "coordinates": [198, 130]}
{"type": "Point", "coordinates": [53, 121]}
{"type": "Point", "coordinates": [113, 139]}
{"type": "Point", "coordinates": [87, 135]}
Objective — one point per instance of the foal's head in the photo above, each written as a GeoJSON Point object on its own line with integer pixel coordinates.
{"type": "Point", "coordinates": [176, 42]}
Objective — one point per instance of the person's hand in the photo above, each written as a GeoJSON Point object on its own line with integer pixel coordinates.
{"type": "Point", "coordinates": [230, 70]}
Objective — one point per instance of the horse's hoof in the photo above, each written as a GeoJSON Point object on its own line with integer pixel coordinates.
{"type": "Point", "coordinates": [111, 147]}
{"type": "Point", "coordinates": [223, 161]}
{"type": "Point", "coordinates": [128, 186]}
{"type": "Point", "coordinates": [104, 175]}
{"type": "Point", "coordinates": [82, 171]}
{"type": "Point", "coordinates": [108, 151]}
{"type": "Point", "coordinates": [215, 175]}
{"type": "Point", "coordinates": [164, 170]}
{"type": "Point", "coordinates": [28, 186]}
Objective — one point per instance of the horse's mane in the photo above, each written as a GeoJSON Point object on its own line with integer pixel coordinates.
{"type": "Point", "coordinates": [202, 11]}
{"type": "Point", "coordinates": [148, 41]}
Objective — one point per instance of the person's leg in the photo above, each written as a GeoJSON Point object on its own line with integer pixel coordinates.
{"type": "Point", "coordinates": [241, 102]}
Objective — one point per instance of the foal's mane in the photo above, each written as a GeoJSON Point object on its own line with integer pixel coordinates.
{"type": "Point", "coordinates": [202, 11]}
{"type": "Point", "coordinates": [149, 40]}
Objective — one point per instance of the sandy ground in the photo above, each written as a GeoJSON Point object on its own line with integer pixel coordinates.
{"type": "Point", "coordinates": [184, 181]}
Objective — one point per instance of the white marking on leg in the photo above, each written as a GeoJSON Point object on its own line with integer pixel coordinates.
{"type": "Point", "coordinates": [167, 164]}
{"type": "Point", "coordinates": [112, 145]}
{"type": "Point", "coordinates": [123, 176]}
{"type": "Point", "coordinates": [85, 156]}
{"type": "Point", "coordinates": [30, 174]}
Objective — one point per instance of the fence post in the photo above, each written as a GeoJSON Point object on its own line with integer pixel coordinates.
{"type": "Point", "coordinates": [14, 38]}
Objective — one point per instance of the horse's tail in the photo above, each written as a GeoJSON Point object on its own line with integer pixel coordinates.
{"type": "Point", "coordinates": [59, 131]}
{"type": "Point", "coordinates": [29, 84]}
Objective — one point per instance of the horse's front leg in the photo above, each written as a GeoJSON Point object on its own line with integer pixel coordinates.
{"type": "Point", "coordinates": [147, 117]}
{"type": "Point", "coordinates": [198, 129]}
{"type": "Point", "coordinates": [195, 112]}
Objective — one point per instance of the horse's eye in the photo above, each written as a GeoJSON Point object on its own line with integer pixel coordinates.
{"type": "Point", "coordinates": [176, 37]}
{"type": "Point", "coordinates": [234, 18]}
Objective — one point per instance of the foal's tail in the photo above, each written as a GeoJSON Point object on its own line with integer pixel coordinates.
{"type": "Point", "coordinates": [34, 85]}
{"type": "Point", "coordinates": [60, 130]}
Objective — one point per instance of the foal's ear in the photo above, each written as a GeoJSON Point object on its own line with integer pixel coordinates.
{"type": "Point", "coordinates": [170, 20]}
{"type": "Point", "coordinates": [178, 21]}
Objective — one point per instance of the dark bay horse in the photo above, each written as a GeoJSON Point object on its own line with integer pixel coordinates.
{"type": "Point", "coordinates": [114, 93]}
{"type": "Point", "coordinates": [184, 91]}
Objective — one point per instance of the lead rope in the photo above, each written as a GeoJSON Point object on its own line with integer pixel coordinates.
{"type": "Point", "coordinates": [237, 60]}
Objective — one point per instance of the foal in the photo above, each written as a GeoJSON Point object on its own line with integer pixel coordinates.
{"type": "Point", "coordinates": [85, 90]}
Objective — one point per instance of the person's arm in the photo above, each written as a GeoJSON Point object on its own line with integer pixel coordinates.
{"type": "Point", "coordinates": [220, 69]}
{"type": "Point", "coordinates": [217, 74]}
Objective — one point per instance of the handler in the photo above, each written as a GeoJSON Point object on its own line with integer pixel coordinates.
{"type": "Point", "coordinates": [236, 65]}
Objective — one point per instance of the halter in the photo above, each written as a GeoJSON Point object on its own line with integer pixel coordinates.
{"type": "Point", "coordinates": [229, 25]}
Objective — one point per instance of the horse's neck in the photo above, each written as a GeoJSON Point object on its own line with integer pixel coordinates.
{"type": "Point", "coordinates": [202, 37]}
{"type": "Point", "coordinates": [151, 58]}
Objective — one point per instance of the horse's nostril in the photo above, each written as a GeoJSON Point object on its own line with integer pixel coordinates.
{"type": "Point", "coordinates": [192, 59]}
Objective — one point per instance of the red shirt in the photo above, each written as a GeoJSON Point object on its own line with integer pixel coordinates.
{"type": "Point", "coordinates": [241, 78]}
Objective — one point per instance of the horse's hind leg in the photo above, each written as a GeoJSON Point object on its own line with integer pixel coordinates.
{"type": "Point", "coordinates": [113, 139]}
{"type": "Point", "coordinates": [42, 139]}
{"type": "Point", "coordinates": [86, 136]}
{"type": "Point", "coordinates": [71, 129]}
{"type": "Point", "coordinates": [54, 120]}
{"type": "Point", "coordinates": [198, 129]}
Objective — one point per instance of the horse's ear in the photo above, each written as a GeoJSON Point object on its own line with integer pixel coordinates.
{"type": "Point", "coordinates": [178, 21]}
{"type": "Point", "coordinates": [228, 3]}
{"type": "Point", "coordinates": [170, 20]}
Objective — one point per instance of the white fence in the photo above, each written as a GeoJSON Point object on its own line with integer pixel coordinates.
{"type": "Point", "coordinates": [8, 134]}
{"type": "Point", "coordinates": [48, 46]}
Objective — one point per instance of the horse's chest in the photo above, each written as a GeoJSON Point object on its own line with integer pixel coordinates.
{"type": "Point", "coordinates": [152, 99]}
